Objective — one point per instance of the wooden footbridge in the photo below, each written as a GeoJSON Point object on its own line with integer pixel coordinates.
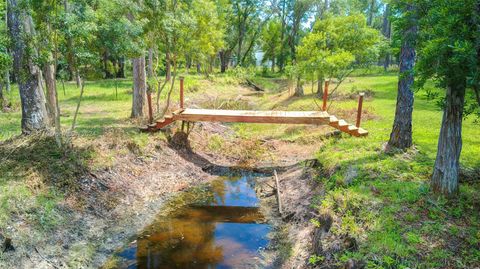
{"type": "Point", "coordinates": [253, 116]}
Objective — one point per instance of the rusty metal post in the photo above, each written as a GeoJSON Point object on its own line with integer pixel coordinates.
{"type": "Point", "coordinates": [150, 110]}
{"type": "Point", "coordinates": [325, 95]}
{"type": "Point", "coordinates": [181, 92]}
{"type": "Point", "coordinates": [359, 110]}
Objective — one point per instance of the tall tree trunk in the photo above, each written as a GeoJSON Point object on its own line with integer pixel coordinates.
{"type": "Point", "coordinates": [199, 69]}
{"type": "Point", "coordinates": [139, 88]}
{"type": "Point", "coordinates": [320, 82]}
{"type": "Point", "coordinates": [299, 87]}
{"type": "Point", "coordinates": [106, 70]}
{"type": "Point", "coordinates": [401, 136]}
{"type": "Point", "coordinates": [52, 101]}
{"type": "Point", "coordinates": [446, 168]}
{"type": "Point", "coordinates": [34, 112]}
{"type": "Point", "coordinates": [273, 64]}
{"type": "Point", "coordinates": [51, 88]}
{"type": "Point", "coordinates": [224, 56]}
{"type": "Point", "coordinates": [121, 68]}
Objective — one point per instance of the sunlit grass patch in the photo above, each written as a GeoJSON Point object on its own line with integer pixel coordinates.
{"type": "Point", "coordinates": [406, 225]}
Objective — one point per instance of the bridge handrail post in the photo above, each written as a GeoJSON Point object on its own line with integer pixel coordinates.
{"type": "Point", "coordinates": [325, 95]}
{"type": "Point", "coordinates": [181, 92]}
{"type": "Point", "coordinates": [359, 109]}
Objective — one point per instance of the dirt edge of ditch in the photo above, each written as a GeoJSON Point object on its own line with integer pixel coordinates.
{"type": "Point", "coordinates": [141, 185]}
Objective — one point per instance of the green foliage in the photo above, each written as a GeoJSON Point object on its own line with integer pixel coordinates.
{"type": "Point", "coordinates": [208, 31]}
{"type": "Point", "coordinates": [336, 45]}
{"type": "Point", "coordinates": [119, 36]}
{"type": "Point", "coordinates": [79, 28]}
{"type": "Point", "coordinates": [5, 58]}
{"type": "Point", "coordinates": [215, 143]}
{"type": "Point", "coordinates": [315, 259]}
{"type": "Point", "coordinates": [449, 47]}
{"type": "Point", "coordinates": [448, 42]}
{"type": "Point", "coordinates": [271, 40]}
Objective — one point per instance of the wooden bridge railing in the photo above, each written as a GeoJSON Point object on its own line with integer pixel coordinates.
{"type": "Point", "coordinates": [324, 105]}
{"type": "Point", "coordinates": [359, 108]}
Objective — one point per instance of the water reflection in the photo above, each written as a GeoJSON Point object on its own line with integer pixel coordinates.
{"type": "Point", "coordinates": [226, 232]}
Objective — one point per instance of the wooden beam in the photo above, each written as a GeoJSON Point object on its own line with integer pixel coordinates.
{"type": "Point", "coordinates": [251, 116]}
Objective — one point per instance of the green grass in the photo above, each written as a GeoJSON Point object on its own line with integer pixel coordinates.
{"type": "Point", "coordinates": [381, 200]}
{"type": "Point", "coordinates": [100, 108]}
{"type": "Point", "coordinates": [386, 205]}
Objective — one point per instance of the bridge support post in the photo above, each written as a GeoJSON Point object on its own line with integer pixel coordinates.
{"type": "Point", "coordinates": [325, 95]}
{"type": "Point", "coordinates": [181, 92]}
{"type": "Point", "coordinates": [359, 110]}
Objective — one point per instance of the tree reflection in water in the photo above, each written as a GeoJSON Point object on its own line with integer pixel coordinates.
{"type": "Point", "coordinates": [226, 233]}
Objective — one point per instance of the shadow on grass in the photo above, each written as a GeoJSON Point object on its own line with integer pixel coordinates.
{"type": "Point", "coordinates": [110, 83]}
{"type": "Point", "coordinates": [104, 97]}
{"type": "Point", "coordinates": [96, 126]}
{"type": "Point", "coordinates": [38, 155]}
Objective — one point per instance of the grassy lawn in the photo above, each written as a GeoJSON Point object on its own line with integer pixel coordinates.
{"type": "Point", "coordinates": [382, 201]}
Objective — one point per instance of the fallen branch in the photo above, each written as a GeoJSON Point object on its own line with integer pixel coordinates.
{"type": "Point", "coordinates": [254, 86]}
{"type": "Point", "coordinates": [45, 259]}
{"type": "Point", "coordinates": [278, 192]}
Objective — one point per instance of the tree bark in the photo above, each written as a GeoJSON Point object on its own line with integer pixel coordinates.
{"type": "Point", "coordinates": [447, 165]}
{"type": "Point", "coordinates": [34, 112]}
{"type": "Point", "coordinates": [121, 68]}
{"type": "Point", "coordinates": [139, 88]}
{"type": "Point", "coordinates": [51, 88]}
{"type": "Point", "coordinates": [401, 135]}
{"type": "Point", "coordinates": [299, 88]}
{"type": "Point", "coordinates": [320, 83]}
{"type": "Point", "coordinates": [105, 60]}
{"type": "Point", "coordinates": [52, 101]}
{"type": "Point", "coordinates": [224, 56]}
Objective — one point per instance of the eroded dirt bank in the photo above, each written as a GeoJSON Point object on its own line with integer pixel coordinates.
{"type": "Point", "coordinates": [110, 205]}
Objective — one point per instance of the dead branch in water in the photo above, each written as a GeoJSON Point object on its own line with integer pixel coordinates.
{"type": "Point", "coordinates": [278, 192]}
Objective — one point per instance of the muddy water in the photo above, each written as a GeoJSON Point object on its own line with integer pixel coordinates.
{"type": "Point", "coordinates": [222, 229]}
